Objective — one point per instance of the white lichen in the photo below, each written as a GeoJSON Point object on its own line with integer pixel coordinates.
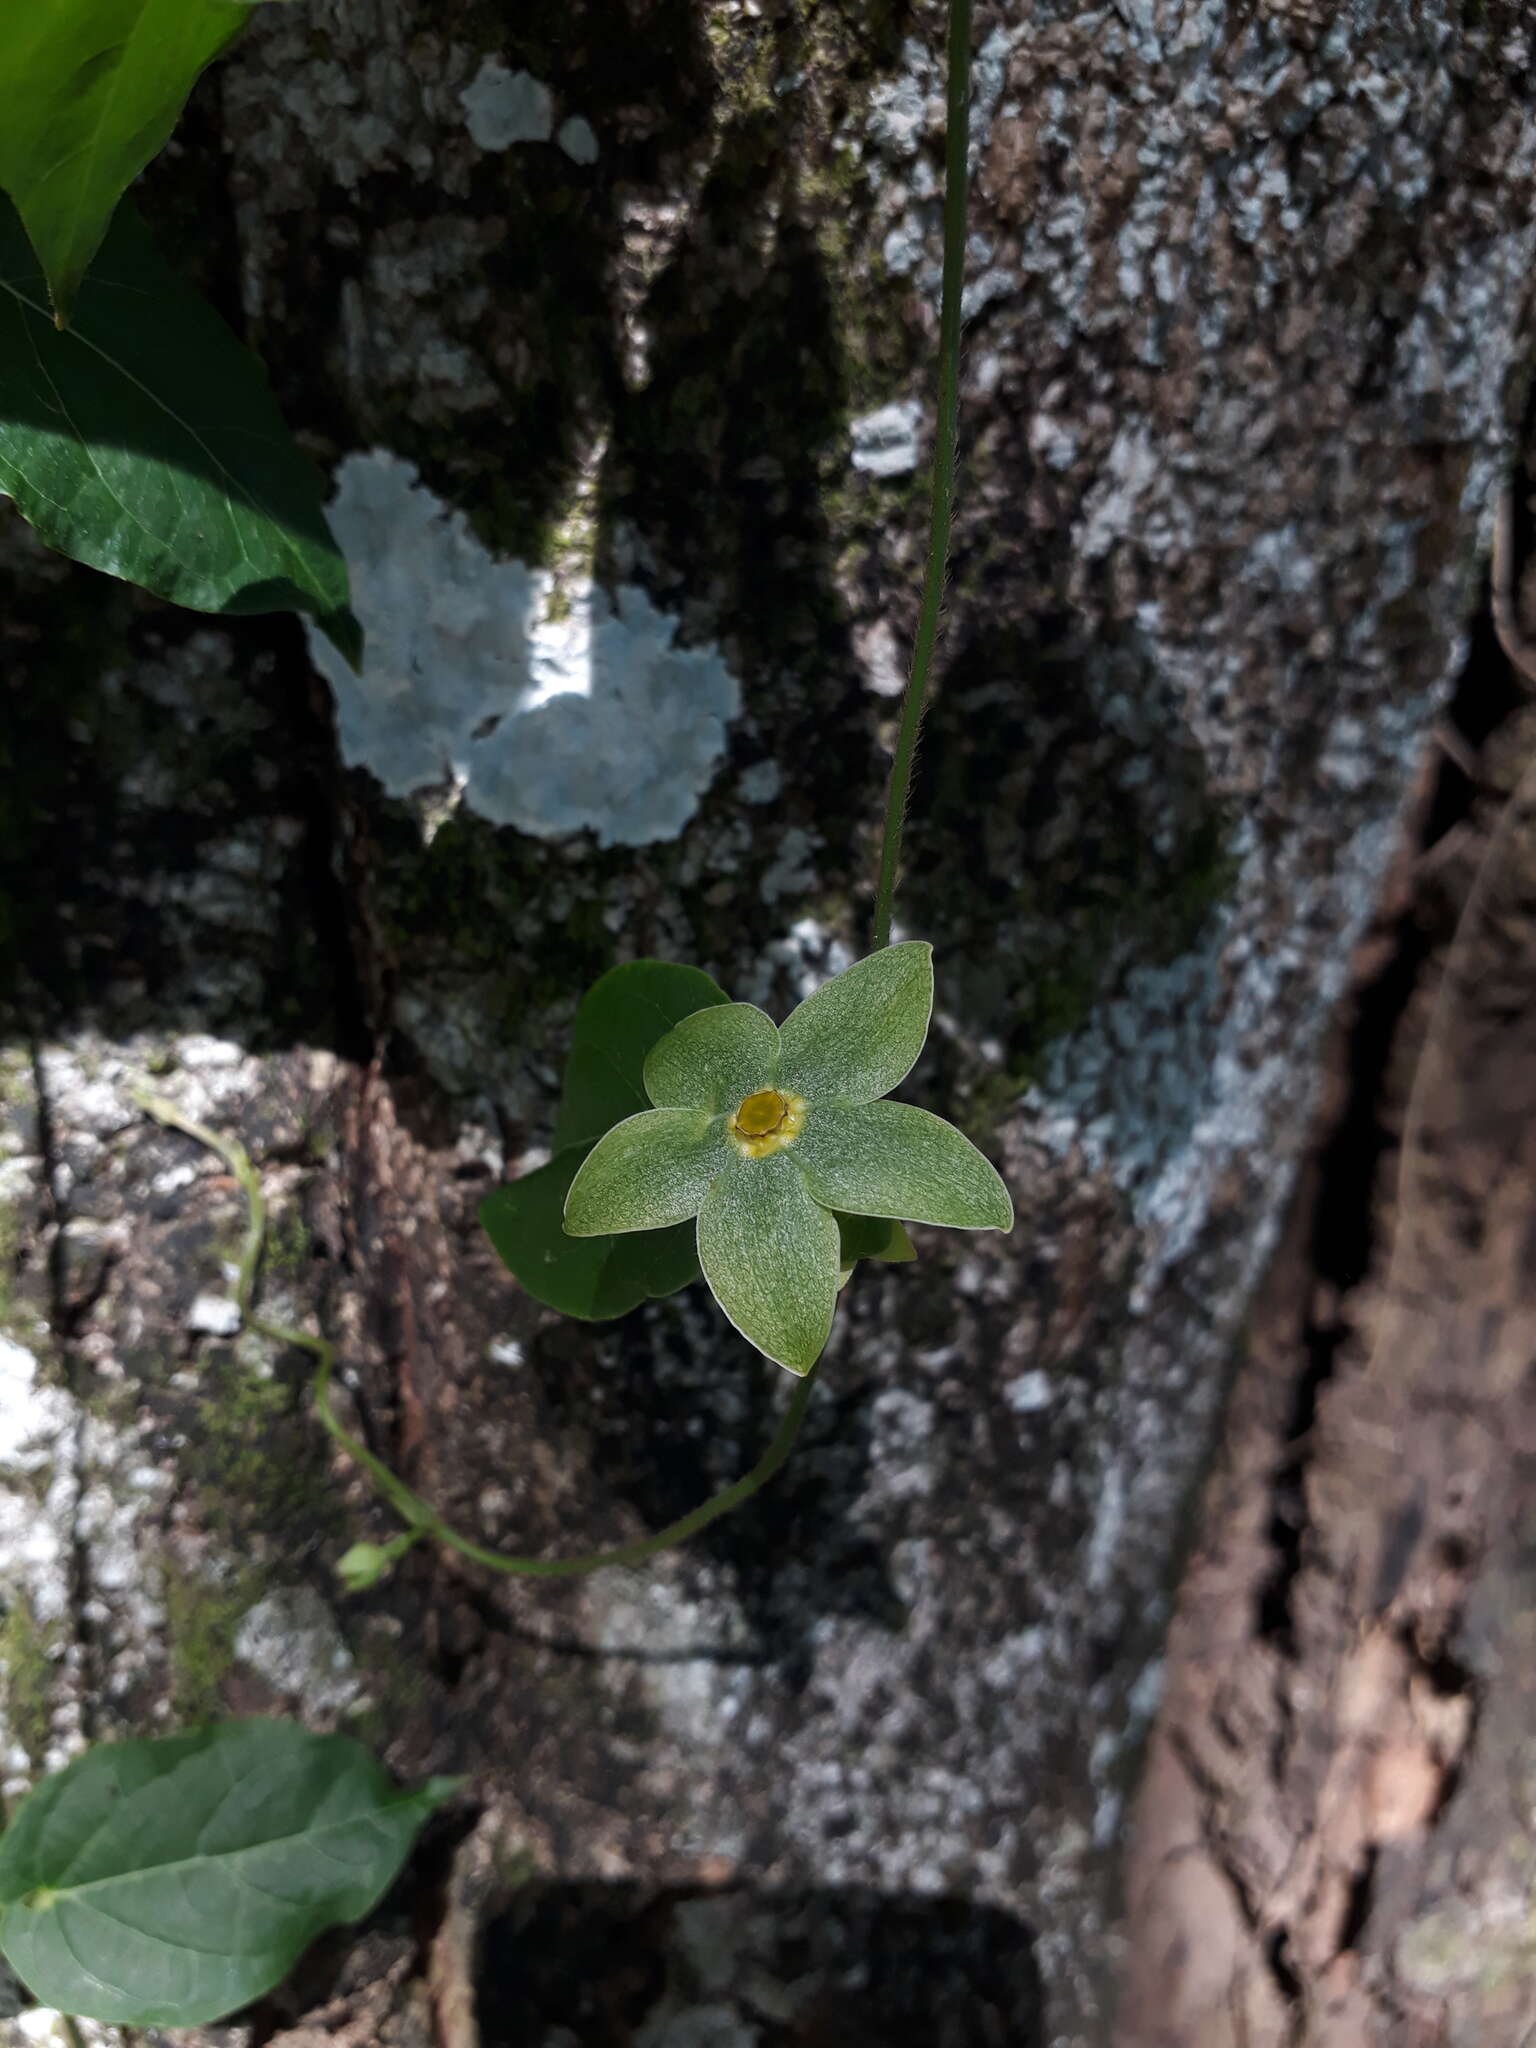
{"type": "Point", "coordinates": [578, 140]}
{"type": "Point", "coordinates": [291, 1641]}
{"type": "Point", "coordinates": [75, 1494]}
{"type": "Point", "coordinates": [761, 783]}
{"type": "Point", "coordinates": [554, 718]}
{"type": "Point", "coordinates": [40, 2028]}
{"type": "Point", "coordinates": [37, 1485]}
{"type": "Point", "coordinates": [903, 108]}
{"type": "Point", "coordinates": [1029, 1392]}
{"type": "Point", "coordinates": [885, 442]}
{"type": "Point", "coordinates": [502, 107]}
{"type": "Point", "coordinates": [213, 1315]}
{"type": "Point", "coordinates": [880, 655]}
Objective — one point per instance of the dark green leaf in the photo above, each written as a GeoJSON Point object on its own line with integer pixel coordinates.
{"type": "Point", "coordinates": [873, 1237]}
{"type": "Point", "coordinates": [89, 91]}
{"type": "Point", "coordinates": [622, 1015]}
{"type": "Point", "coordinates": [168, 1883]}
{"type": "Point", "coordinates": [146, 441]}
{"type": "Point", "coordinates": [591, 1277]}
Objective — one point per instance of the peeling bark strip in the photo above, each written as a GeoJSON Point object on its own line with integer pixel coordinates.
{"type": "Point", "coordinates": [1333, 1849]}
{"type": "Point", "coordinates": [1249, 303]}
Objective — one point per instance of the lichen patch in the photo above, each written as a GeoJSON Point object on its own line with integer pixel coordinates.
{"type": "Point", "coordinates": [554, 718]}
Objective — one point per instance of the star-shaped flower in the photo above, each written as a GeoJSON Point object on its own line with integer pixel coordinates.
{"type": "Point", "coordinates": [764, 1132]}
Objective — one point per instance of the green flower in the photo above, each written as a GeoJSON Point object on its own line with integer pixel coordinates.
{"type": "Point", "coordinates": [765, 1132]}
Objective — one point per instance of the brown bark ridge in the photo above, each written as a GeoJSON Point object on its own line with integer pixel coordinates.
{"type": "Point", "coordinates": [1333, 1841]}
{"type": "Point", "coordinates": [1248, 302]}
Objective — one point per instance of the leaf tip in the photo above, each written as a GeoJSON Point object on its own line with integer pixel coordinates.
{"type": "Point", "coordinates": [798, 1369]}
{"type": "Point", "coordinates": [62, 289]}
{"type": "Point", "coordinates": [344, 631]}
{"type": "Point", "coordinates": [998, 1206]}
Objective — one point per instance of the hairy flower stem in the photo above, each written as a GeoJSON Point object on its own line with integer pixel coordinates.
{"type": "Point", "coordinates": [419, 1517]}
{"type": "Point", "coordinates": [956, 170]}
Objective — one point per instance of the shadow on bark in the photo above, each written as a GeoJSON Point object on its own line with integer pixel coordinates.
{"type": "Point", "coordinates": [614, 1965]}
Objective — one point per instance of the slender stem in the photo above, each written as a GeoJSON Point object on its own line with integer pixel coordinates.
{"type": "Point", "coordinates": [425, 1521]}
{"type": "Point", "coordinates": [420, 1518]}
{"type": "Point", "coordinates": [956, 170]}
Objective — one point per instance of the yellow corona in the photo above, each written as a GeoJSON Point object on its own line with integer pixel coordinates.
{"type": "Point", "coordinates": [767, 1122]}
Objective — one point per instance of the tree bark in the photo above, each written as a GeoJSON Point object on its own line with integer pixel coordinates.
{"type": "Point", "coordinates": [1335, 1787]}
{"type": "Point", "coordinates": [1249, 316]}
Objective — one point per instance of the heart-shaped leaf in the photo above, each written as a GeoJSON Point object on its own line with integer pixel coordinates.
{"type": "Point", "coordinates": [621, 1017]}
{"type": "Point", "coordinates": [598, 1278]}
{"type": "Point", "coordinates": [595, 1278]}
{"type": "Point", "coordinates": [146, 441]}
{"type": "Point", "coordinates": [89, 92]}
{"type": "Point", "coordinates": [168, 1883]}
{"type": "Point", "coordinates": [880, 1238]}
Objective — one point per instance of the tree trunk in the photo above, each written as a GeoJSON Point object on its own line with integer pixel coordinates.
{"type": "Point", "coordinates": [1335, 1792]}
{"type": "Point", "coordinates": [646, 292]}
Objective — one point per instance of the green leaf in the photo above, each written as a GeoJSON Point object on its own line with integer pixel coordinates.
{"type": "Point", "coordinates": [873, 1237]}
{"type": "Point", "coordinates": [591, 1277]}
{"type": "Point", "coordinates": [889, 1159]}
{"type": "Point", "coordinates": [857, 1037]}
{"type": "Point", "coordinates": [168, 1883]}
{"type": "Point", "coordinates": [713, 1059]}
{"type": "Point", "coordinates": [770, 1255]}
{"type": "Point", "coordinates": [622, 1015]}
{"type": "Point", "coordinates": [621, 1018]}
{"type": "Point", "coordinates": [89, 92]}
{"type": "Point", "coordinates": [649, 1171]}
{"type": "Point", "coordinates": [146, 442]}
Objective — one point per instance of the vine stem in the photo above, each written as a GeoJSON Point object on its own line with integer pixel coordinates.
{"type": "Point", "coordinates": [956, 177]}
{"type": "Point", "coordinates": [420, 1518]}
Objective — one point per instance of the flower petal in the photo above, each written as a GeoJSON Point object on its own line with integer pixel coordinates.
{"type": "Point", "coordinates": [770, 1255]}
{"type": "Point", "coordinates": [650, 1170]}
{"type": "Point", "coordinates": [713, 1058]}
{"type": "Point", "coordinates": [889, 1159]}
{"type": "Point", "coordinates": [858, 1036]}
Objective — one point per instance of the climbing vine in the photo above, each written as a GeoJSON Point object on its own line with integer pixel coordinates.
{"type": "Point", "coordinates": [170, 1882]}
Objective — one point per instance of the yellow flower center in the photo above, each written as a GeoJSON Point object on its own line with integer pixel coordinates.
{"type": "Point", "coordinates": [766, 1122]}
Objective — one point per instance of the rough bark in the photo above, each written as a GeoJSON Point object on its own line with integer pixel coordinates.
{"type": "Point", "coordinates": [1249, 293]}
{"type": "Point", "coordinates": [1333, 1843]}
